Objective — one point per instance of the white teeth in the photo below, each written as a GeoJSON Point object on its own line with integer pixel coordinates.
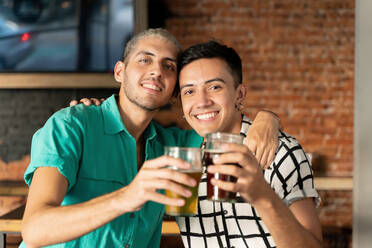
{"type": "Point", "coordinates": [151, 86]}
{"type": "Point", "coordinates": [206, 116]}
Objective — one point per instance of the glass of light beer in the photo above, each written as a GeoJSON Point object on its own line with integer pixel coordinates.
{"type": "Point", "coordinates": [214, 148]}
{"type": "Point", "coordinates": [194, 157]}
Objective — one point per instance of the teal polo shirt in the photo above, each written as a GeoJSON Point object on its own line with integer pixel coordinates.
{"type": "Point", "coordinates": [92, 149]}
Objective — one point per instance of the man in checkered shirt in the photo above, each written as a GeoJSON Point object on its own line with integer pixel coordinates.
{"type": "Point", "coordinates": [275, 207]}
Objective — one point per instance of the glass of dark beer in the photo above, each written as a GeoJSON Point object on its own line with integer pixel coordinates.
{"type": "Point", "coordinates": [214, 148]}
{"type": "Point", "coordinates": [194, 157]}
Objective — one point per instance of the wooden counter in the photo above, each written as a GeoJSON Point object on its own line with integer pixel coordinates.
{"type": "Point", "coordinates": [13, 188]}
{"type": "Point", "coordinates": [19, 188]}
{"type": "Point", "coordinates": [11, 223]}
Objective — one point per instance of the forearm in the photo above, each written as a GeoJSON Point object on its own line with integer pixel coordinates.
{"type": "Point", "coordinates": [283, 226]}
{"type": "Point", "coordinates": [51, 224]}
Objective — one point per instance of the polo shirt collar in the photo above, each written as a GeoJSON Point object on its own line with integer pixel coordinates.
{"type": "Point", "coordinates": [111, 116]}
{"type": "Point", "coordinates": [150, 132]}
{"type": "Point", "coordinates": [113, 123]}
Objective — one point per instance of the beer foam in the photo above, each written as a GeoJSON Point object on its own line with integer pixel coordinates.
{"type": "Point", "coordinates": [214, 150]}
{"type": "Point", "coordinates": [191, 171]}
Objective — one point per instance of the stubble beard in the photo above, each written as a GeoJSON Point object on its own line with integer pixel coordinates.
{"type": "Point", "coordinates": [136, 100]}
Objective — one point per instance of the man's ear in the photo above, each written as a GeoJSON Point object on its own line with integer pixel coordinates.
{"type": "Point", "coordinates": [118, 71]}
{"type": "Point", "coordinates": [241, 93]}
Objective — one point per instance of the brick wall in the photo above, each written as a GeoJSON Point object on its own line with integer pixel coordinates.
{"type": "Point", "coordinates": [298, 60]}
{"type": "Point", "coordinates": [22, 112]}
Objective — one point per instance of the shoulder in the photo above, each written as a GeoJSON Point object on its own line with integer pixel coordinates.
{"type": "Point", "coordinates": [289, 146]}
{"type": "Point", "coordinates": [291, 173]}
{"type": "Point", "coordinates": [68, 122]}
{"type": "Point", "coordinates": [290, 159]}
{"type": "Point", "coordinates": [77, 112]}
{"type": "Point", "coordinates": [291, 162]}
{"type": "Point", "coordinates": [76, 115]}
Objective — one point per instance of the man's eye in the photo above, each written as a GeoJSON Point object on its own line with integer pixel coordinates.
{"type": "Point", "coordinates": [188, 92]}
{"type": "Point", "coordinates": [144, 60]}
{"type": "Point", "coordinates": [215, 87]}
{"type": "Point", "coordinates": [170, 67]}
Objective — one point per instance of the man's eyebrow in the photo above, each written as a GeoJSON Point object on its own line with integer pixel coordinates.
{"type": "Point", "coordinates": [153, 55]}
{"type": "Point", "coordinates": [171, 59]}
{"type": "Point", "coordinates": [144, 53]}
{"type": "Point", "coordinates": [186, 85]}
{"type": "Point", "coordinates": [215, 79]}
{"type": "Point", "coordinates": [206, 82]}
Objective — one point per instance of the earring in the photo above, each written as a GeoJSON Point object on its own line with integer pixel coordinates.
{"type": "Point", "coordinates": [238, 106]}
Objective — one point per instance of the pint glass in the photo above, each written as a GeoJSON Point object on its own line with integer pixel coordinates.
{"type": "Point", "coordinates": [214, 148]}
{"type": "Point", "coordinates": [192, 156]}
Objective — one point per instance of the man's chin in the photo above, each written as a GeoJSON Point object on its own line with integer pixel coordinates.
{"type": "Point", "coordinates": [150, 107]}
{"type": "Point", "coordinates": [204, 132]}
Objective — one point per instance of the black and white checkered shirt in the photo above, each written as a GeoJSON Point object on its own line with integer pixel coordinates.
{"type": "Point", "coordinates": [238, 224]}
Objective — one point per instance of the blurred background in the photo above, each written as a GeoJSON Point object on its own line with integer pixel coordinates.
{"type": "Point", "coordinates": [298, 61]}
{"type": "Point", "coordinates": [63, 35]}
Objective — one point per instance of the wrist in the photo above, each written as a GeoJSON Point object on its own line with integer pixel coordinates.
{"type": "Point", "coordinates": [268, 112]}
{"type": "Point", "coordinates": [118, 203]}
{"type": "Point", "coordinates": [264, 113]}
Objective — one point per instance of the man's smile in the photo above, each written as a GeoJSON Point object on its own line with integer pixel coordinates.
{"type": "Point", "coordinates": [206, 116]}
{"type": "Point", "coordinates": [151, 86]}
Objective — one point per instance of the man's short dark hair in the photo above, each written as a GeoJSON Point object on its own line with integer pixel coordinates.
{"type": "Point", "coordinates": [157, 32]}
{"type": "Point", "coordinates": [213, 49]}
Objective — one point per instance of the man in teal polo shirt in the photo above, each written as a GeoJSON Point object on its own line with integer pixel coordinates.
{"type": "Point", "coordinates": [95, 172]}
{"type": "Point", "coordinates": [86, 189]}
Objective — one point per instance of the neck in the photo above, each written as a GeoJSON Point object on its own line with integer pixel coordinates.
{"type": "Point", "coordinates": [134, 117]}
{"type": "Point", "coordinates": [237, 123]}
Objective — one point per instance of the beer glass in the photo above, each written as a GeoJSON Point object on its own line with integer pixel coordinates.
{"type": "Point", "coordinates": [193, 157]}
{"type": "Point", "coordinates": [214, 148]}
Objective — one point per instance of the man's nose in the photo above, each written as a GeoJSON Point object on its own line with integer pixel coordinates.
{"type": "Point", "coordinates": [156, 70]}
{"type": "Point", "coordinates": [203, 99]}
